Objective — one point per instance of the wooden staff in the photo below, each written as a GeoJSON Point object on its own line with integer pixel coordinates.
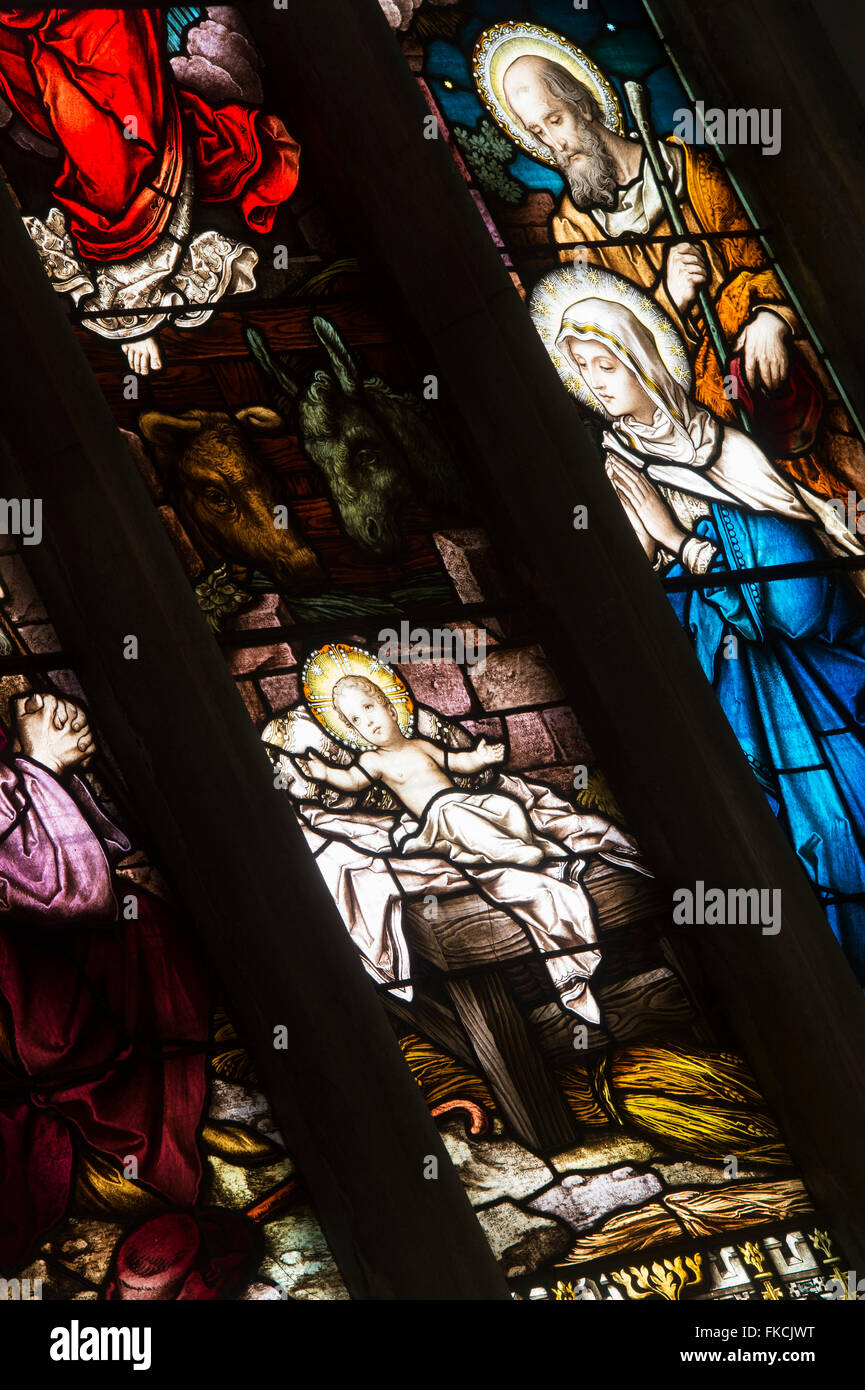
{"type": "Point", "coordinates": [638, 105]}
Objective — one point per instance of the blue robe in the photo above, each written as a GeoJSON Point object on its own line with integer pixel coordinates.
{"type": "Point", "coordinates": [794, 694]}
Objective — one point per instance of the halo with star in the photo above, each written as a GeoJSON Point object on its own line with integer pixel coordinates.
{"type": "Point", "coordinates": [568, 284]}
{"type": "Point", "coordinates": [323, 668]}
{"type": "Point", "coordinates": [501, 44]}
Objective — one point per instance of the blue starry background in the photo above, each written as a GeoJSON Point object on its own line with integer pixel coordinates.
{"type": "Point", "coordinates": [616, 34]}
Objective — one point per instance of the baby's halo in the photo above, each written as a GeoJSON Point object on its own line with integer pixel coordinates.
{"type": "Point", "coordinates": [324, 667]}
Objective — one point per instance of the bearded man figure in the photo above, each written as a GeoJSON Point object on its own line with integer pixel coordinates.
{"type": "Point", "coordinates": [612, 194]}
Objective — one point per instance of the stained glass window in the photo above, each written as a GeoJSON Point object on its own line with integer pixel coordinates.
{"type": "Point", "coordinates": [140, 1158]}
{"type": "Point", "coordinates": [315, 484]}
{"type": "Point", "coordinates": [733, 450]}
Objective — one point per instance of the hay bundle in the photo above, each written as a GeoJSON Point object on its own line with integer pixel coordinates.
{"type": "Point", "coordinates": [703, 1103]}
{"type": "Point", "coordinates": [442, 1078]}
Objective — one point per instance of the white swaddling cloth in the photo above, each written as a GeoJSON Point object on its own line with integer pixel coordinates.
{"type": "Point", "coordinates": [489, 831]}
{"type": "Point", "coordinates": [371, 881]}
{"type": "Point", "coordinates": [475, 828]}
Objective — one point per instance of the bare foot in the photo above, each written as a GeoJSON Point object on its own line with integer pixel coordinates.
{"type": "Point", "coordinates": [143, 356]}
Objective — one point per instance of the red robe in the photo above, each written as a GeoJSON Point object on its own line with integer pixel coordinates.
{"type": "Point", "coordinates": [103, 1021]}
{"type": "Point", "coordinates": [87, 80]}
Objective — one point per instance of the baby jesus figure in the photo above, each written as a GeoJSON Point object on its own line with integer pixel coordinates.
{"type": "Point", "coordinates": [468, 827]}
{"type": "Point", "coordinates": [514, 843]}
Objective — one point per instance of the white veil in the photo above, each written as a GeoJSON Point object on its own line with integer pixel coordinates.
{"type": "Point", "coordinates": [685, 447]}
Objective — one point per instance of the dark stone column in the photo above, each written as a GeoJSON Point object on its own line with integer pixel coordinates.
{"type": "Point", "coordinates": [222, 834]}
{"type": "Point", "coordinates": [611, 633]}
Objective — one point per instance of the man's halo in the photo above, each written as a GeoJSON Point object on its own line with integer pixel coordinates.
{"type": "Point", "coordinates": [500, 45]}
{"type": "Point", "coordinates": [565, 286]}
{"type": "Point", "coordinates": [323, 668]}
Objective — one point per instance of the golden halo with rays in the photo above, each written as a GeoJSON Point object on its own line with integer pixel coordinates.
{"type": "Point", "coordinates": [323, 668]}
{"type": "Point", "coordinates": [568, 284]}
{"type": "Point", "coordinates": [501, 44]}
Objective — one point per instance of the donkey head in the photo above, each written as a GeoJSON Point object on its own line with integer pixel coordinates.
{"type": "Point", "coordinates": [373, 445]}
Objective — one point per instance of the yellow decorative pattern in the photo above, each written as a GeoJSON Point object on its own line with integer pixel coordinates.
{"type": "Point", "coordinates": [663, 1279]}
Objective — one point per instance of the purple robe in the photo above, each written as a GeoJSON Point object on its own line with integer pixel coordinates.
{"type": "Point", "coordinates": [103, 1020]}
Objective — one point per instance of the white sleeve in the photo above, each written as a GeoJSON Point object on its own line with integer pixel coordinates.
{"type": "Point", "coordinates": [697, 555]}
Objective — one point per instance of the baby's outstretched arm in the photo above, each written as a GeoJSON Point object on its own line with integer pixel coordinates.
{"type": "Point", "coordinates": [473, 759]}
{"type": "Point", "coordinates": [342, 779]}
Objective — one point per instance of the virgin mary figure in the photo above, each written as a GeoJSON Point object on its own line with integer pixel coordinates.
{"type": "Point", "coordinates": [785, 656]}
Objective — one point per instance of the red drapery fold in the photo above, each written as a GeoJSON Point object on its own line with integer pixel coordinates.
{"type": "Point", "coordinates": [97, 83]}
{"type": "Point", "coordinates": [109, 1030]}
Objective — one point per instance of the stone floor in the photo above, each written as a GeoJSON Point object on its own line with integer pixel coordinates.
{"type": "Point", "coordinates": [529, 1208]}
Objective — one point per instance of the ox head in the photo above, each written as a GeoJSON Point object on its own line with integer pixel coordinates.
{"type": "Point", "coordinates": [226, 496]}
{"type": "Point", "coordinates": [373, 445]}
